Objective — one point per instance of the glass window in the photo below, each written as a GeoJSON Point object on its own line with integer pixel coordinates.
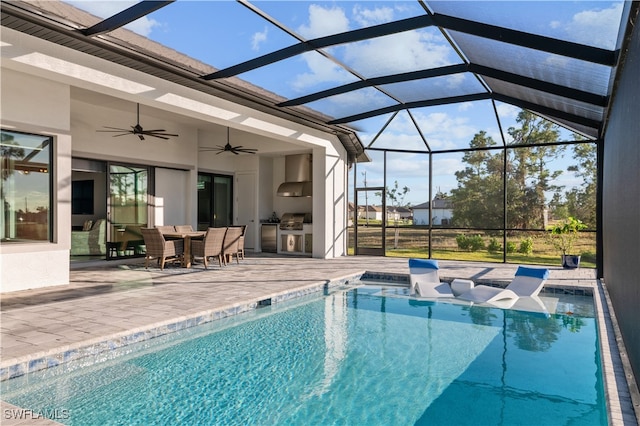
{"type": "Point", "coordinates": [215, 201]}
{"type": "Point", "coordinates": [25, 187]}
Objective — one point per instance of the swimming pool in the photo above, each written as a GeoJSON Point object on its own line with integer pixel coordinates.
{"type": "Point", "coordinates": [366, 355]}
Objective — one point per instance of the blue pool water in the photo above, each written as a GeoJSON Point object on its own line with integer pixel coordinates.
{"type": "Point", "coordinates": [367, 356]}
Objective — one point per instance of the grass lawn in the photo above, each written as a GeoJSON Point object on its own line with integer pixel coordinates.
{"type": "Point", "coordinates": [413, 242]}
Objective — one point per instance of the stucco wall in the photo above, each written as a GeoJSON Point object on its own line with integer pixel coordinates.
{"type": "Point", "coordinates": [32, 104]}
{"type": "Point", "coordinates": [621, 203]}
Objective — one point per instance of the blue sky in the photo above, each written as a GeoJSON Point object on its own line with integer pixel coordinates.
{"type": "Point", "coordinates": [224, 33]}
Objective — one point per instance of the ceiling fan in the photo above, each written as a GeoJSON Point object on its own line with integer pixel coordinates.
{"type": "Point", "coordinates": [138, 130]}
{"type": "Point", "coordinates": [228, 148]}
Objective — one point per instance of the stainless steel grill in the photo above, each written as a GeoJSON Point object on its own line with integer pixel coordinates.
{"type": "Point", "coordinates": [294, 221]}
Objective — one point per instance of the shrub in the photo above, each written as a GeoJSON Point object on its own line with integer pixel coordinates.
{"type": "Point", "coordinates": [588, 256]}
{"type": "Point", "coordinates": [494, 246]}
{"type": "Point", "coordinates": [476, 243]}
{"type": "Point", "coordinates": [526, 246]}
{"type": "Point", "coordinates": [463, 242]}
{"type": "Point", "coordinates": [564, 234]}
{"type": "Point", "coordinates": [511, 247]}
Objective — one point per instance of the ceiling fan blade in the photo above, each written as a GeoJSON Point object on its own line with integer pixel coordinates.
{"type": "Point", "coordinates": [138, 130]}
{"type": "Point", "coordinates": [113, 129]}
{"type": "Point", "coordinates": [125, 132]}
{"type": "Point", "coordinates": [160, 136]}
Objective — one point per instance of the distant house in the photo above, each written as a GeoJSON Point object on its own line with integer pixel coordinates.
{"type": "Point", "coordinates": [405, 213]}
{"type": "Point", "coordinates": [370, 212]}
{"type": "Point", "coordinates": [351, 214]}
{"type": "Point", "coordinates": [375, 213]}
{"type": "Point", "coordinates": [441, 212]}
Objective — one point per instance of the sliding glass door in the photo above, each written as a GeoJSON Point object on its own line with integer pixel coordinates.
{"type": "Point", "coordinates": [128, 209]}
{"type": "Point", "coordinates": [215, 200]}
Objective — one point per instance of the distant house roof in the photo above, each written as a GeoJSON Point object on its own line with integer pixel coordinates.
{"type": "Point", "coordinates": [370, 208]}
{"type": "Point", "coordinates": [437, 203]}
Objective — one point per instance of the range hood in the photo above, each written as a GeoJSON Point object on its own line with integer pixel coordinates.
{"type": "Point", "coordinates": [297, 174]}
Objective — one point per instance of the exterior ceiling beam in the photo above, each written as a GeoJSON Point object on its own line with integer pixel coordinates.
{"type": "Point", "coordinates": [409, 105]}
{"type": "Point", "coordinates": [128, 15]}
{"type": "Point", "coordinates": [322, 42]}
{"type": "Point", "coordinates": [556, 89]}
{"type": "Point", "coordinates": [377, 81]}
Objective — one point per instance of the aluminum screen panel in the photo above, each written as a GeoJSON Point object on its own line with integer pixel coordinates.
{"type": "Point", "coordinates": [300, 75]}
{"type": "Point", "coordinates": [555, 102]}
{"type": "Point", "coordinates": [398, 53]}
{"type": "Point", "coordinates": [573, 73]}
{"type": "Point", "coordinates": [355, 102]}
{"type": "Point", "coordinates": [205, 30]}
{"type": "Point", "coordinates": [317, 19]}
{"type": "Point", "coordinates": [435, 87]}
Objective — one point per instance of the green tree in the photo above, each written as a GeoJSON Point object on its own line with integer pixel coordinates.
{"type": "Point", "coordinates": [478, 198]}
{"type": "Point", "coordinates": [530, 180]}
{"type": "Point", "coordinates": [581, 202]}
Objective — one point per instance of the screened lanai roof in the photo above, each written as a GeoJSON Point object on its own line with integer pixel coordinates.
{"type": "Point", "coordinates": [406, 75]}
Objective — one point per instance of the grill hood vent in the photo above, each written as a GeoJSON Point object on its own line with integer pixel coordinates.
{"type": "Point", "coordinates": [297, 175]}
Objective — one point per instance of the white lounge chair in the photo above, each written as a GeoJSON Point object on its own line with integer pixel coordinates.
{"type": "Point", "coordinates": [527, 283]}
{"type": "Point", "coordinates": [425, 280]}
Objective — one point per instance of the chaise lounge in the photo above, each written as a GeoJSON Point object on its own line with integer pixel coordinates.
{"type": "Point", "coordinates": [425, 280]}
{"type": "Point", "coordinates": [527, 283]}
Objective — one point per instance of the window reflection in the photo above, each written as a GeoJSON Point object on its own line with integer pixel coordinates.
{"type": "Point", "coordinates": [25, 187]}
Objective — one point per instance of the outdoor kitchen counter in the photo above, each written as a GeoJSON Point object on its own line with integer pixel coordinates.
{"type": "Point", "coordinates": [296, 241]}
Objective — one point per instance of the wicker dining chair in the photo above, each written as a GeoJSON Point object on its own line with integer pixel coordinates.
{"type": "Point", "coordinates": [210, 246]}
{"type": "Point", "coordinates": [158, 247]}
{"type": "Point", "coordinates": [241, 242]}
{"type": "Point", "coordinates": [230, 245]}
{"type": "Point", "coordinates": [166, 228]}
{"type": "Point", "coordinates": [184, 228]}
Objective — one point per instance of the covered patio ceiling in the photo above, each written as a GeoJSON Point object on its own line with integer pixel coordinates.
{"type": "Point", "coordinates": [359, 69]}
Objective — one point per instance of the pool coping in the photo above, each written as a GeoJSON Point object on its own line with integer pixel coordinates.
{"type": "Point", "coordinates": [621, 392]}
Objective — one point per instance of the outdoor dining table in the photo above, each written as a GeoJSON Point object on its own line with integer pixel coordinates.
{"type": "Point", "coordinates": [186, 236]}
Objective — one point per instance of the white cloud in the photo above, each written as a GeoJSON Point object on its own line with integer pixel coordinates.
{"type": "Point", "coordinates": [259, 38]}
{"type": "Point", "coordinates": [507, 111]}
{"type": "Point", "coordinates": [323, 21]}
{"type": "Point", "coordinates": [320, 69]}
{"type": "Point", "coordinates": [596, 27]}
{"type": "Point", "coordinates": [105, 9]}
{"type": "Point", "coordinates": [367, 17]}
{"type": "Point", "coordinates": [465, 106]}
{"type": "Point", "coordinates": [408, 165]}
{"type": "Point", "coordinates": [410, 50]}
{"type": "Point", "coordinates": [443, 166]}
{"type": "Point", "coordinates": [395, 53]}
{"type": "Point", "coordinates": [442, 127]}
